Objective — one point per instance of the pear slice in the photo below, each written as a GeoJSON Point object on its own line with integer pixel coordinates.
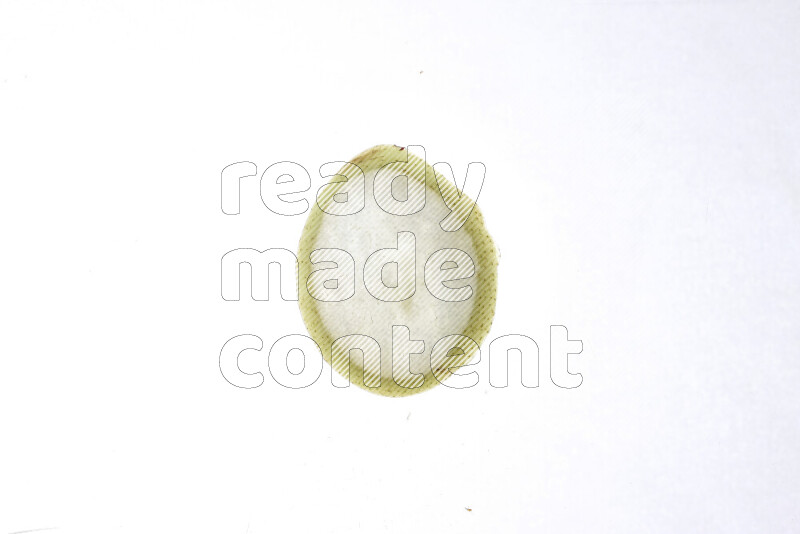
{"type": "Point", "coordinates": [397, 274]}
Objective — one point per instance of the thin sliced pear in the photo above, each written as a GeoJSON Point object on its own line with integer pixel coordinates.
{"type": "Point", "coordinates": [379, 321]}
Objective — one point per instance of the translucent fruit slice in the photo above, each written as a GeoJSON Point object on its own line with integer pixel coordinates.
{"type": "Point", "coordinates": [397, 274]}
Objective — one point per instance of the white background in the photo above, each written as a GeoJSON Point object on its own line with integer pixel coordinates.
{"type": "Point", "coordinates": [642, 186]}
